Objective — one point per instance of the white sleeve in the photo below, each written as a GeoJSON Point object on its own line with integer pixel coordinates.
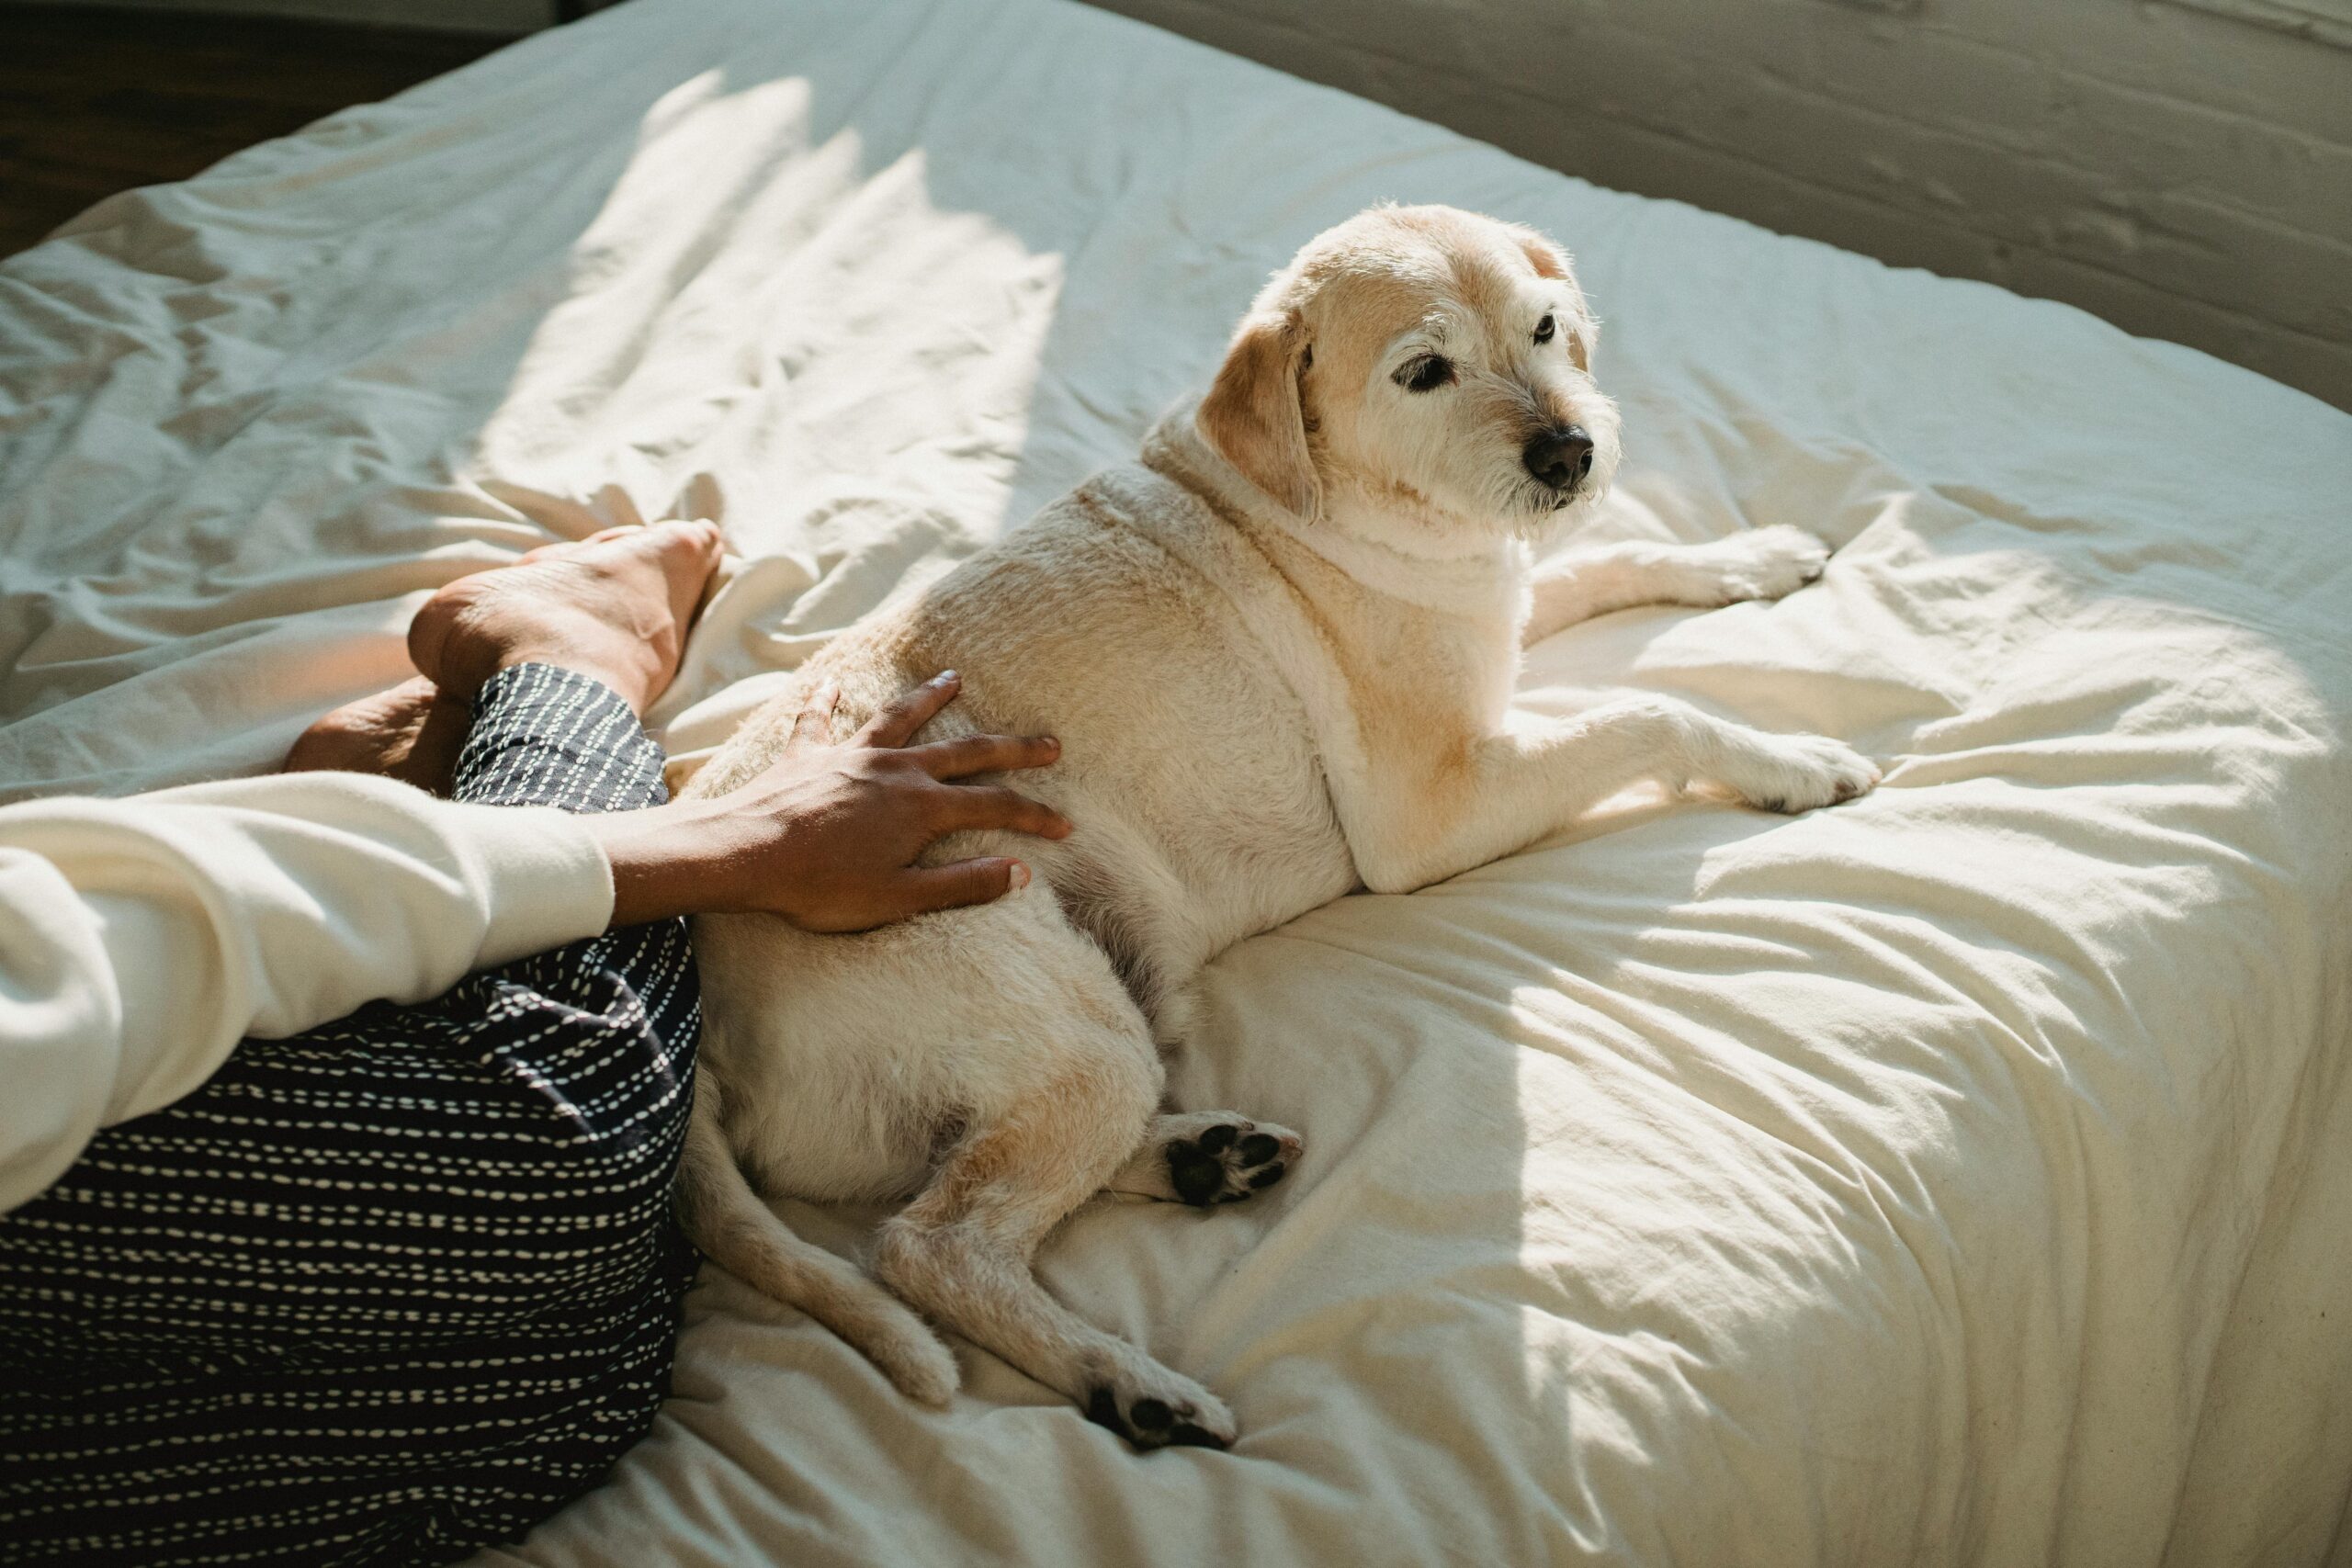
{"type": "Point", "coordinates": [141, 939]}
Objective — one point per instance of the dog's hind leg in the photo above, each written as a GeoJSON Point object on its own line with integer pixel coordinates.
{"type": "Point", "coordinates": [1206, 1158]}
{"type": "Point", "coordinates": [741, 1234]}
{"type": "Point", "coordinates": [962, 1251]}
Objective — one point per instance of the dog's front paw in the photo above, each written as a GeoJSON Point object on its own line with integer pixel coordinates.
{"type": "Point", "coordinates": [1763, 563]}
{"type": "Point", "coordinates": [1155, 1408]}
{"type": "Point", "coordinates": [1797, 772]}
{"type": "Point", "coordinates": [1218, 1156]}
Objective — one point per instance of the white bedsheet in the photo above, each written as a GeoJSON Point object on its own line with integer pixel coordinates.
{"type": "Point", "coordinates": [1960, 1175]}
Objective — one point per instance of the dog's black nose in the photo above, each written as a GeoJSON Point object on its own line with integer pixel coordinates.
{"type": "Point", "coordinates": [1560, 458]}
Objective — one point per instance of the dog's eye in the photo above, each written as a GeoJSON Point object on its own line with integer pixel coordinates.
{"type": "Point", "coordinates": [1426, 374]}
{"type": "Point", "coordinates": [1543, 330]}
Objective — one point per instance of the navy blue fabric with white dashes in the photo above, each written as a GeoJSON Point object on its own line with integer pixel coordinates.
{"type": "Point", "coordinates": [389, 1290]}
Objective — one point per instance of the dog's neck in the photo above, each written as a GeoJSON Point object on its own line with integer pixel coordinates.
{"type": "Point", "coordinates": [1368, 537]}
{"type": "Point", "coordinates": [1391, 551]}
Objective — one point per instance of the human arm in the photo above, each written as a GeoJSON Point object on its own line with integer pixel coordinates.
{"type": "Point", "coordinates": [141, 939]}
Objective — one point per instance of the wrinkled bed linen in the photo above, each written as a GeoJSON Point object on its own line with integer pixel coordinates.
{"type": "Point", "coordinates": [1959, 1176]}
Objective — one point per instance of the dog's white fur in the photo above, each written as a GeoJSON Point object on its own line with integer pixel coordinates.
{"type": "Point", "coordinates": [1278, 652]}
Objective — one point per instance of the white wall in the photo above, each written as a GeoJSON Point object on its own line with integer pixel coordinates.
{"type": "Point", "coordinates": [2184, 174]}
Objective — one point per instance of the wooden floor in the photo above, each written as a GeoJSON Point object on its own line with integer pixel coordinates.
{"type": "Point", "coordinates": [93, 101]}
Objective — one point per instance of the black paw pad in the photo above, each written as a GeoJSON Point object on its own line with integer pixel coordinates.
{"type": "Point", "coordinates": [1194, 1171]}
{"type": "Point", "coordinates": [1149, 1423]}
{"type": "Point", "coordinates": [1227, 1162]}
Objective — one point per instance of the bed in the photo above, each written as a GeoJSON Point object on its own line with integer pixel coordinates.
{"type": "Point", "coordinates": [1959, 1176]}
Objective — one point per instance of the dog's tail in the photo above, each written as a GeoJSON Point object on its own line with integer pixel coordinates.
{"type": "Point", "coordinates": [725, 1219]}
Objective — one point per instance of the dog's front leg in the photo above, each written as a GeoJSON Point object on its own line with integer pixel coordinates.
{"type": "Point", "coordinates": [1761, 563]}
{"type": "Point", "coordinates": [1540, 775]}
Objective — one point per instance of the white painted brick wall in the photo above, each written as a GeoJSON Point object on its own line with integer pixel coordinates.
{"type": "Point", "coordinates": [2184, 175]}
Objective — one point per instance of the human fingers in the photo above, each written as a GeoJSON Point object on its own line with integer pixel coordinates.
{"type": "Point", "coordinates": [967, 808]}
{"type": "Point", "coordinates": [960, 883]}
{"type": "Point", "coordinates": [970, 754]}
{"type": "Point", "coordinates": [895, 724]}
{"type": "Point", "coordinates": [815, 725]}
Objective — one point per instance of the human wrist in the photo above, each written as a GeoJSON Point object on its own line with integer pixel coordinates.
{"type": "Point", "coordinates": [662, 862]}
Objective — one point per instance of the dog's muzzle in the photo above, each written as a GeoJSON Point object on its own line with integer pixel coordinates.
{"type": "Point", "coordinates": [1560, 458]}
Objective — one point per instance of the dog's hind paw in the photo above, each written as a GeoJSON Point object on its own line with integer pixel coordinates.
{"type": "Point", "coordinates": [1208, 1157]}
{"type": "Point", "coordinates": [1155, 1408]}
{"type": "Point", "coordinates": [1229, 1160]}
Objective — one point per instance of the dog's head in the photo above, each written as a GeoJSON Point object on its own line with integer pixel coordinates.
{"type": "Point", "coordinates": [1430, 361]}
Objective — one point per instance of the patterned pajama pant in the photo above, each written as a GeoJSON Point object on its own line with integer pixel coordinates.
{"type": "Point", "coordinates": [389, 1290]}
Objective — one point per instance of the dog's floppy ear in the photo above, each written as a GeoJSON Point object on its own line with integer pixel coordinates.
{"type": "Point", "coordinates": [1550, 261]}
{"type": "Point", "coordinates": [1254, 413]}
{"type": "Point", "coordinates": [1546, 258]}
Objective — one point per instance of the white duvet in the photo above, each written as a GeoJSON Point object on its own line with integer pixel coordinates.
{"type": "Point", "coordinates": [1960, 1175]}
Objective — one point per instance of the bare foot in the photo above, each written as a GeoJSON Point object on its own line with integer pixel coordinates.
{"type": "Point", "coordinates": [614, 607]}
{"type": "Point", "coordinates": [403, 734]}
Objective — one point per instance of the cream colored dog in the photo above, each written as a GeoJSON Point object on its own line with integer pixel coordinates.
{"type": "Point", "coordinates": [1278, 652]}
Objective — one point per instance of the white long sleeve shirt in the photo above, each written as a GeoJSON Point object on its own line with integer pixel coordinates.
{"type": "Point", "coordinates": [141, 939]}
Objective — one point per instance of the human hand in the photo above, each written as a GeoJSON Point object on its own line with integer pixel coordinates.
{"type": "Point", "coordinates": [827, 835]}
